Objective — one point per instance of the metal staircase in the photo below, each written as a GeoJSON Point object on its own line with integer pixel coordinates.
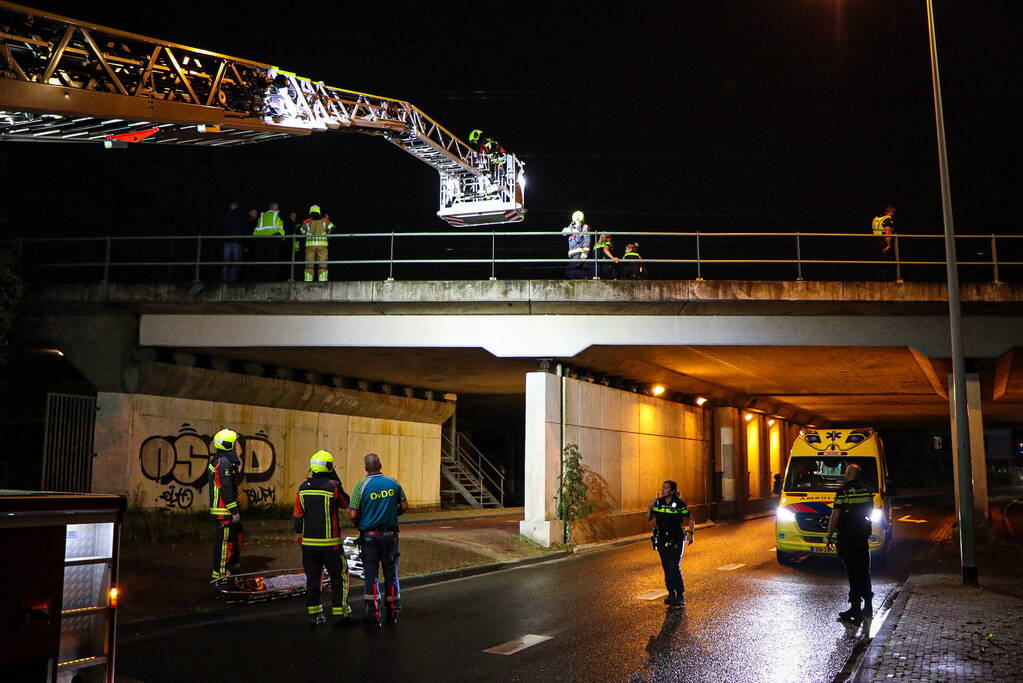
{"type": "Point", "coordinates": [469, 476]}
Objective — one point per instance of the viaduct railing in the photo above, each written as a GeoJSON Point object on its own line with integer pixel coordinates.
{"type": "Point", "coordinates": [520, 255]}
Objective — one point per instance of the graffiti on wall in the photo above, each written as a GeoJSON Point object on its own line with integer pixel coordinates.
{"type": "Point", "coordinates": [179, 464]}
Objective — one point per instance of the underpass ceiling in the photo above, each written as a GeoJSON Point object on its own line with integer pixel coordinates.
{"type": "Point", "coordinates": [876, 385]}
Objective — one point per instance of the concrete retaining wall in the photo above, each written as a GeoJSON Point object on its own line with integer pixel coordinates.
{"type": "Point", "coordinates": [630, 444]}
{"type": "Point", "coordinates": [155, 450]}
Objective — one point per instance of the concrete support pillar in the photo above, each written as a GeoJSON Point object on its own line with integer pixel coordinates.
{"type": "Point", "coordinates": [978, 456]}
{"type": "Point", "coordinates": [543, 459]}
{"type": "Point", "coordinates": [725, 442]}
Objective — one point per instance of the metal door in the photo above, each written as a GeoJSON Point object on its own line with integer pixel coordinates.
{"type": "Point", "coordinates": [67, 443]}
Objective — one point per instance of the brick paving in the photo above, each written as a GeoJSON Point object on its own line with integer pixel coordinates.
{"type": "Point", "coordinates": [950, 632]}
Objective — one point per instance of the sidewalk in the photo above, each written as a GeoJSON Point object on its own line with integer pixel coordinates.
{"type": "Point", "coordinates": [940, 630]}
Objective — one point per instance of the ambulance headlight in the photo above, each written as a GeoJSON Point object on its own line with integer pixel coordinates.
{"type": "Point", "coordinates": [876, 515]}
{"type": "Point", "coordinates": [786, 515]}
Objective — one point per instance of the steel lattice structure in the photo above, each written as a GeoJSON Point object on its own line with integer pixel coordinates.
{"type": "Point", "coordinates": [64, 80]}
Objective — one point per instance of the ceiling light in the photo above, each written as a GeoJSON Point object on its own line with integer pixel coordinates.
{"type": "Point", "coordinates": [748, 416]}
{"type": "Point", "coordinates": [700, 400]}
{"type": "Point", "coordinates": [657, 389]}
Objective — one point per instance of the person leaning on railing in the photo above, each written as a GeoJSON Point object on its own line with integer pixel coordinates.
{"type": "Point", "coordinates": [631, 265]}
{"type": "Point", "coordinates": [232, 224]}
{"type": "Point", "coordinates": [270, 227]}
{"type": "Point", "coordinates": [883, 227]}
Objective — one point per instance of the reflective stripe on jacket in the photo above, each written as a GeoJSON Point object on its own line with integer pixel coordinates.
{"type": "Point", "coordinates": [224, 478]}
{"type": "Point", "coordinates": [877, 225]}
{"type": "Point", "coordinates": [316, 510]}
{"type": "Point", "coordinates": [270, 223]}
{"type": "Point", "coordinates": [316, 230]}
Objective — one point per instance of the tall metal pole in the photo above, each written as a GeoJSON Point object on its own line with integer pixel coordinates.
{"type": "Point", "coordinates": [967, 551]}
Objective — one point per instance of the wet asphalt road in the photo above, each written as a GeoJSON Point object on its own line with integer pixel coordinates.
{"type": "Point", "coordinates": [757, 622]}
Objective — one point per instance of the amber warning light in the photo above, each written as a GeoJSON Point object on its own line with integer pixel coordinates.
{"type": "Point", "coordinates": [113, 597]}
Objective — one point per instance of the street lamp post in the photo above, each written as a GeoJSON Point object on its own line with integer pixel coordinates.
{"type": "Point", "coordinates": [958, 399]}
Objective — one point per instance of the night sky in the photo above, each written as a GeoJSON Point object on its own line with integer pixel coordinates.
{"type": "Point", "coordinates": [762, 115]}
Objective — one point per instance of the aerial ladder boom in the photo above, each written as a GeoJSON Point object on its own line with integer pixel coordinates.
{"type": "Point", "coordinates": [64, 80]}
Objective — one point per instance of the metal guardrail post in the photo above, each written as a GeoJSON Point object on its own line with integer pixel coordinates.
{"type": "Point", "coordinates": [198, 258]}
{"type": "Point", "coordinates": [699, 269]}
{"type": "Point", "coordinates": [994, 259]}
{"type": "Point", "coordinates": [106, 264]}
{"type": "Point", "coordinates": [799, 259]}
{"type": "Point", "coordinates": [898, 261]}
{"type": "Point", "coordinates": [493, 256]}
{"type": "Point", "coordinates": [390, 272]}
{"type": "Point", "coordinates": [294, 248]}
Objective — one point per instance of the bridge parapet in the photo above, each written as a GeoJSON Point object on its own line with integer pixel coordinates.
{"type": "Point", "coordinates": [535, 297]}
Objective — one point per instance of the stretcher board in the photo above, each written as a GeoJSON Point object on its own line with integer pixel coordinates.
{"type": "Point", "coordinates": [278, 584]}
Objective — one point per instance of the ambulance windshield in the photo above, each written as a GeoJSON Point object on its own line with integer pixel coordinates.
{"type": "Point", "coordinates": [827, 473]}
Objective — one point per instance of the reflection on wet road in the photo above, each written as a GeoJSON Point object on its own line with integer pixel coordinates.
{"type": "Point", "coordinates": [576, 619]}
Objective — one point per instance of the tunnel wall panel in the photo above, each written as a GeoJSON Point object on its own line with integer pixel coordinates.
{"type": "Point", "coordinates": [154, 449]}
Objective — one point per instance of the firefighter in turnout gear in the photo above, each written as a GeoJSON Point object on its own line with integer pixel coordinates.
{"type": "Point", "coordinates": [850, 517]}
{"type": "Point", "coordinates": [316, 228]}
{"type": "Point", "coordinates": [377, 501]}
{"type": "Point", "coordinates": [578, 233]}
{"type": "Point", "coordinates": [669, 513]}
{"type": "Point", "coordinates": [317, 504]}
{"type": "Point", "coordinates": [224, 477]}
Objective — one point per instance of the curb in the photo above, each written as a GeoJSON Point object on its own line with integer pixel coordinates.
{"type": "Point", "coordinates": [483, 514]}
{"type": "Point", "coordinates": [869, 660]}
{"type": "Point", "coordinates": [138, 630]}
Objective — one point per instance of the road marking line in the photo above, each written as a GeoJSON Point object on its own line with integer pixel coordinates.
{"type": "Point", "coordinates": [517, 645]}
{"type": "Point", "coordinates": [731, 567]}
{"type": "Point", "coordinates": [907, 518]}
{"type": "Point", "coordinates": [447, 527]}
{"type": "Point", "coordinates": [652, 594]}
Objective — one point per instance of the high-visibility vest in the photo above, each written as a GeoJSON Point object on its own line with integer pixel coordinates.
{"type": "Point", "coordinates": [316, 230]}
{"type": "Point", "coordinates": [601, 244]}
{"type": "Point", "coordinates": [631, 254]}
{"type": "Point", "coordinates": [878, 223]}
{"type": "Point", "coordinates": [270, 223]}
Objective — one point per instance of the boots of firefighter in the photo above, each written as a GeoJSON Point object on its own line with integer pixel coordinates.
{"type": "Point", "coordinates": [322, 275]}
{"type": "Point", "coordinates": [308, 276]}
{"type": "Point", "coordinates": [868, 607]}
{"type": "Point", "coordinates": [853, 615]}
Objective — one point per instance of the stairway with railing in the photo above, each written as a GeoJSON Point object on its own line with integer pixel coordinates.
{"type": "Point", "coordinates": [468, 476]}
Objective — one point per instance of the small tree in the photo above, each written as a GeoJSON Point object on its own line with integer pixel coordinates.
{"type": "Point", "coordinates": [572, 490]}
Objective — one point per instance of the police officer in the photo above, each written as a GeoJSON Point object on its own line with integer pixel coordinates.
{"type": "Point", "coordinates": [317, 503]}
{"type": "Point", "coordinates": [669, 513]}
{"type": "Point", "coordinates": [376, 503]}
{"type": "Point", "coordinates": [850, 517]}
{"type": "Point", "coordinates": [883, 228]}
{"type": "Point", "coordinates": [224, 477]}
{"type": "Point", "coordinates": [631, 267]}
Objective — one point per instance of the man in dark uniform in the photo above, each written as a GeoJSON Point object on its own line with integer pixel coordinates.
{"type": "Point", "coordinates": [316, 518]}
{"type": "Point", "coordinates": [224, 477]}
{"type": "Point", "coordinates": [850, 517]}
{"type": "Point", "coordinates": [669, 513]}
{"type": "Point", "coordinates": [376, 503]}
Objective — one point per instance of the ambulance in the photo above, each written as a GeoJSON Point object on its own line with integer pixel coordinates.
{"type": "Point", "coordinates": [815, 471]}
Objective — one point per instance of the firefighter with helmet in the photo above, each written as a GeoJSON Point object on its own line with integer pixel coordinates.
{"type": "Point", "coordinates": [316, 228]}
{"type": "Point", "coordinates": [578, 233]}
{"type": "Point", "coordinates": [225, 476]}
{"type": "Point", "coordinates": [319, 499]}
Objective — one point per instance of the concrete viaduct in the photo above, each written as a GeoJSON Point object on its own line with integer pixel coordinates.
{"type": "Point", "coordinates": [391, 359]}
